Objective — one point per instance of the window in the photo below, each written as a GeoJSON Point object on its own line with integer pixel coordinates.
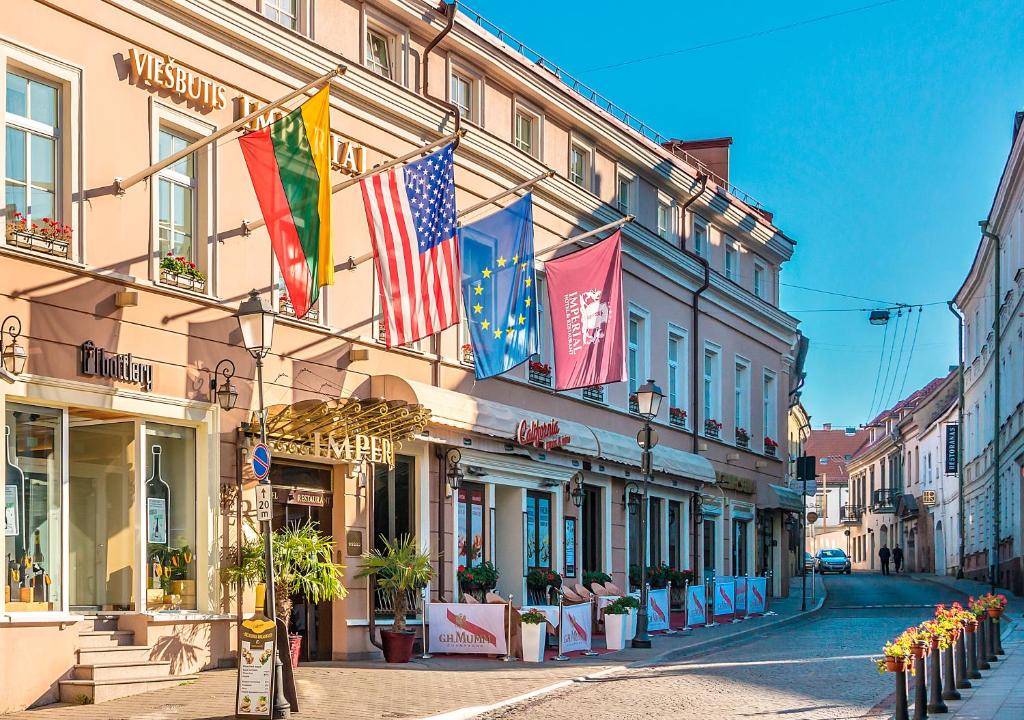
{"type": "Point", "coordinates": [624, 193]}
{"type": "Point", "coordinates": [471, 524]}
{"type": "Point", "coordinates": [709, 547]}
{"type": "Point", "coordinates": [710, 409]}
{"type": "Point", "coordinates": [538, 530]}
{"type": "Point", "coordinates": [32, 507]}
{"type": "Point", "coordinates": [769, 400]}
{"type": "Point", "coordinates": [32, 173]}
{"type": "Point", "coordinates": [739, 547]}
{"type": "Point", "coordinates": [579, 165]}
{"type": "Point", "coordinates": [379, 53]}
{"type": "Point", "coordinates": [823, 461]}
{"type": "Point", "coordinates": [741, 399]}
{"type": "Point", "coordinates": [393, 501]}
{"type": "Point", "coordinates": [675, 519]}
{"type": "Point", "coordinates": [732, 262]}
{"type": "Point", "coordinates": [593, 539]}
{"type": "Point", "coordinates": [760, 290]}
{"type": "Point", "coordinates": [527, 131]}
{"type": "Point", "coordinates": [636, 358]}
{"type": "Point", "coordinates": [700, 237]}
{"type": "Point", "coordinates": [654, 533]}
{"type": "Point", "coordinates": [284, 303]}
{"type": "Point", "coordinates": [176, 186]}
{"type": "Point", "coordinates": [462, 95]}
{"type": "Point", "coordinates": [283, 12]}
{"type": "Point", "coordinates": [677, 378]}
{"type": "Point", "coordinates": [665, 220]}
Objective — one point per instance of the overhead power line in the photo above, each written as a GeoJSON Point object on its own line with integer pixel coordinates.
{"type": "Point", "coordinates": [913, 343]}
{"type": "Point", "coordinates": [746, 36]}
{"type": "Point", "coordinates": [878, 373]}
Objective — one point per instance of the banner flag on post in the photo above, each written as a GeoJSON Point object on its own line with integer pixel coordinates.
{"type": "Point", "coordinates": [499, 288]}
{"type": "Point", "coordinates": [658, 609]}
{"type": "Point", "coordinates": [757, 588]}
{"type": "Point", "coordinates": [695, 614]}
{"type": "Point", "coordinates": [577, 627]}
{"type": "Point", "coordinates": [289, 162]}
{"type": "Point", "coordinates": [463, 628]}
{"type": "Point", "coordinates": [411, 214]}
{"type": "Point", "coordinates": [741, 593]}
{"type": "Point", "coordinates": [585, 297]}
{"type": "Point", "coordinates": [725, 606]}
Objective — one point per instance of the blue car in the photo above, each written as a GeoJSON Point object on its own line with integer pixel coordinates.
{"type": "Point", "coordinates": [833, 560]}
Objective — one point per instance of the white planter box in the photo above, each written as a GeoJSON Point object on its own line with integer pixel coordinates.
{"type": "Point", "coordinates": [632, 623]}
{"type": "Point", "coordinates": [534, 637]}
{"type": "Point", "coordinates": [616, 631]}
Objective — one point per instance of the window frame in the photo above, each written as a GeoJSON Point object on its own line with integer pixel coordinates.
{"type": "Point", "coordinates": [397, 39]}
{"type": "Point", "coordinates": [627, 178]}
{"type": "Point", "coordinates": [760, 288]}
{"type": "Point", "coordinates": [711, 406]}
{"type": "Point", "coordinates": [278, 292]}
{"type": "Point", "coordinates": [695, 222]}
{"type": "Point", "coordinates": [741, 395]}
{"type": "Point", "coordinates": [643, 347]}
{"type": "Point", "coordinates": [303, 15]}
{"type": "Point", "coordinates": [677, 371]}
{"type": "Point", "coordinates": [769, 404]}
{"type": "Point", "coordinates": [520, 107]}
{"type": "Point", "coordinates": [668, 232]}
{"type": "Point", "coordinates": [537, 497]}
{"type": "Point", "coordinates": [586, 151]}
{"type": "Point", "coordinates": [475, 90]}
{"type": "Point", "coordinates": [732, 250]}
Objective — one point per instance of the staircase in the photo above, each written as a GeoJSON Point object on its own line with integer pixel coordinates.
{"type": "Point", "coordinates": [110, 666]}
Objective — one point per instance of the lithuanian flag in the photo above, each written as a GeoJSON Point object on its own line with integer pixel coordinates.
{"type": "Point", "coordinates": [289, 162]}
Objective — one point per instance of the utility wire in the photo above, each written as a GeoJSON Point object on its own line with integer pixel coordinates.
{"type": "Point", "coordinates": [747, 36]}
{"type": "Point", "coordinates": [878, 373]}
{"type": "Point", "coordinates": [845, 295]}
{"type": "Point", "coordinates": [888, 367]}
{"type": "Point", "coordinates": [889, 399]}
{"type": "Point", "coordinates": [913, 343]}
{"type": "Point", "coordinates": [866, 309]}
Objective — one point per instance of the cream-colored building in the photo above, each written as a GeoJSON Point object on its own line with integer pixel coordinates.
{"type": "Point", "coordinates": [100, 89]}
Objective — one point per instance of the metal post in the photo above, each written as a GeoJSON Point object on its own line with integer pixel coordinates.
{"type": "Point", "coordinates": [949, 691]}
{"type": "Point", "coordinates": [426, 626]}
{"type": "Point", "coordinates": [769, 580]}
{"type": "Point", "coordinates": [593, 610]}
{"type": "Point", "coordinates": [920, 690]}
{"type": "Point", "coordinates": [596, 231]}
{"type": "Point", "coordinates": [972, 655]}
{"type": "Point", "coordinates": [990, 646]}
{"type": "Point", "coordinates": [561, 657]}
{"type": "Point", "coordinates": [508, 656]}
{"type": "Point", "coordinates": [982, 643]}
{"type": "Point", "coordinates": [505, 193]}
{"type": "Point", "coordinates": [686, 607]}
{"type": "Point", "coordinates": [669, 630]}
{"type": "Point", "coordinates": [803, 551]}
{"type": "Point", "coordinates": [997, 641]}
{"type": "Point", "coordinates": [961, 661]}
{"type": "Point", "coordinates": [935, 702]}
{"type": "Point", "coordinates": [643, 639]}
{"type": "Point", "coordinates": [901, 695]}
{"type": "Point", "coordinates": [709, 601]}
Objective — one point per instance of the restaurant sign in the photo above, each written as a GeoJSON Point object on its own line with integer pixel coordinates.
{"type": "Point", "coordinates": [96, 361]}
{"type": "Point", "coordinates": [179, 81]}
{"type": "Point", "coordinates": [355, 448]}
{"type": "Point", "coordinates": [545, 435]}
{"type": "Point", "coordinates": [737, 483]}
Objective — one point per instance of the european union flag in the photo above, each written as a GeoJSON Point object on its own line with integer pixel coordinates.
{"type": "Point", "coordinates": [499, 288]}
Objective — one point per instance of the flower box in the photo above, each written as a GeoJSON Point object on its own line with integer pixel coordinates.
{"type": "Point", "coordinates": [52, 239]}
{"type": "Point", "coordinates": [634, 405]}
{"type": "Point", "coordinates": [285, 307]}
{"type": "Point", "coordinates": [183, 281]}
{"type": "Point", "coordinates": [467, 354]}
{"type": "Point", "coordinates": [771, 447]}
{"type": "Point", "coordinates": [534, 636]}
{"type": "Point", "coordinates": [540, 373]}
{"type": "Point", "coordinates": [712, 428]}
{"type": "Point", "coordinates": [677, 417]}
{"type": "Point", "coordinates": [594, 394]}
{"type": "Point", "coordinates": [742, 438]}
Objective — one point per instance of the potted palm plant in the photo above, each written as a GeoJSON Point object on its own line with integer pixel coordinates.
{"type": "Point", "coordinates": [534, 631]}
{"type": "Point", "coordinates": [399, 567]}
{"type": "Point", "coordinates": [303, 565]}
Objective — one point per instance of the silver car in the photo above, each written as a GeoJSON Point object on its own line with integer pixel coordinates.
{"type": "Point", "coordinates": [833, 560]}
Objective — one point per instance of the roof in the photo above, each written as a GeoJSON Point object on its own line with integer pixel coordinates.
{"type": "Point", "coordinates": [835, 447]}
{"type": "Point", "coordinates": [909, 402]}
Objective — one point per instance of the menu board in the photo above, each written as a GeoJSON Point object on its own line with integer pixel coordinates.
{"type": "Point", "coordinates": [255, 669]}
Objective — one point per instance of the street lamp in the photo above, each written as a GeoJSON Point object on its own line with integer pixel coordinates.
{"type": "Point", "coordinates": [631, 498]}
{"type": "Point", "coordinates": [648, 401]}
{"type": "Point", "coordinates": [14, 355]}
{"type": "Point", "coordinates": [454, 474]}
{"type": "Point", "coordinates": [256, 321]}
{"type": "Point", "coordinates": [574, 489]}
{"type": "Point", "coordinates": [227, 393]}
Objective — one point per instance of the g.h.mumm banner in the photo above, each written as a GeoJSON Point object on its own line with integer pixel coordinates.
{"type": "Point", "coordinates": [464, 628]}
{"type": "Point", "coordinates": [585, 297]}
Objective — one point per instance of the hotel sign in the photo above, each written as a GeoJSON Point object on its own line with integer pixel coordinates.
{"type": "Point", "coordinates": [545, 435]}
{"type": "Point", "coordinates": [95, 361]}
{"type": "Point", "coordinates": [355, 448]}
{"type": "Point", "coordinates": [181, 82]}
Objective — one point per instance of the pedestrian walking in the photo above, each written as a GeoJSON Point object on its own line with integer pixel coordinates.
{"type": "Point", "coordinates": [897, 558]}
{"type": "Point", "coordinates": [883, 555]}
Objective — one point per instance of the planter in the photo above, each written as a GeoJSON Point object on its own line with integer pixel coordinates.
{"type": "Point", "coordinates": [616, 631]}
{"type": "Point", "coordinates": [534, 636]}
{"type": "Point", "coordinates": [58, 247]}
{"type": "Point", "coordinates": [994, 612]}
{"type": "Point", "coordinates": [770, 450]}
{"type": "Point", "coordinates": [971, 627]}
{"type": "Point", "coordinates": [397, 645]}
{"type": "Point", "coordinates": [919, 651]}
{"type": "Point", "coordinates": [294, 649]}
{"type": "Point", "coordinates": [633, 612]}
{"type": "Point", "coordinates": [185, 282]}
{"type": "Point", "coordinates": [895, 664]}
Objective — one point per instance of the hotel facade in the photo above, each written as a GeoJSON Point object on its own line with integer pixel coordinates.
{"type": "Point", "coordinates": [119, 458]}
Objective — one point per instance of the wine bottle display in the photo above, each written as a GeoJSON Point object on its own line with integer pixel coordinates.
{"type": "Point", "coordinates": [158, 503]}
{"type": "Point", "coordinates": [14, 499]}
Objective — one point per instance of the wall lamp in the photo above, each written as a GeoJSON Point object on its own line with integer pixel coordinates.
{"type": "Point", "coordinates": [574, 489]}
{"type": "Point", "coordinates": [227, 393]}
{"type": "Point", "coordinates": [13, 353]}
{"type": "Point", "coordinates": [455, 475]}
{"type": "Point", "coordinates": [631, 498]}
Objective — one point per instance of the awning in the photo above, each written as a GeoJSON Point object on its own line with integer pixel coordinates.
{"type": "Point", "coordinates": [781, 498]}
{"type": "Point", "coordinates": [465, 412]}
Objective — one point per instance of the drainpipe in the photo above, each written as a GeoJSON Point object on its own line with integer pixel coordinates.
{"type": "Point", "coordinates": [441, 506]}
{"type": "Point", "coordinates": [694, 355]}
{"type": "Point", "coordinates": [371, 590]}
{"type": "Point", "coordinates": [448, 10]}
{"type": "Point", "coordinates": [951, 304]}
{"type": "Point", "coordinates": [996, 449]}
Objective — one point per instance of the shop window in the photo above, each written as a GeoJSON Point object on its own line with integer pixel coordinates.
{"type": "Point", "coordinates": [170, 513]}
{"type": "Point", "coordinates": [593, 538]}
{"type": "Point", "coordinates": [393, 503]}
{"type": "Point", "coordinates": [739, 547]}
{"type": "Point", "coordinates": [633, 521]}
{"type": "Point", "coordinates": [471, 524]}
{"type": "Point", "coordinates": [674, 519]}
{"type": "Point", "coordinates": [654, 532]}
{"type": "Point", "coordinates": [32, 508]}
{"type": "Point", "coordinates": [538, 530]}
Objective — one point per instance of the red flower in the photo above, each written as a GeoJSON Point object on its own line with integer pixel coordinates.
{"type": "Point", "coordinates": [462, 568]}
{"type": "Point", "coordinates": [469, 576]}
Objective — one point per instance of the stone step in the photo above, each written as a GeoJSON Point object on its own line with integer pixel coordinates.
{"type": "Point", "coordinates": [114, 654]}
{"type": "Point", "coordinates": [87, 692]}
{"type": "Point", "coordinates": [127, 670]}
{"type": "Point", "coordinates": [94, 623]}
{"type": "Point", "coordinates": [105, 638]}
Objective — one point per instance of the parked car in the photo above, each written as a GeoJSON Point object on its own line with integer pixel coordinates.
{"type": "Point", "coordinates": [833, 560]}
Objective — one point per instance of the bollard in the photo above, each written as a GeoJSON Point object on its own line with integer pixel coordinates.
{"type": "Point", "coordinates": [997, 641]}
{"type": "Point", "coordinates": [990, 648]}
{"type": "Point", "coordinates": [508, 656]}
{"type": "Point", "coordinates": [972, 653]}
{"type": "Point", "coordinates": [901, 693]}
{"type": "Point", "coordinates": [981, 640]}
{"type": "Point", "coordinates": [935, 703]}
{"type": "Point", "coordinates": [920, 691]}
{"type": "Point", "coordinates": [561, 657]}
{"type": "Point", "coordinates": [949, 691]}
{"type": "Point", "coordinates": [709, 601]}
{"type": "Point", "coordinates": [961, 661]}
{"type": "Point", "coordinates": [426, 627]}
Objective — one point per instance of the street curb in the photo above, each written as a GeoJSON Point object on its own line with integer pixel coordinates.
{"type": "Point", "coordinates": [668, 655]}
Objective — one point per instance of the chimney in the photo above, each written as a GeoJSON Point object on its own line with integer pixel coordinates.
{"type": "Point", "coordinates": [712, 154]}
{"type": "Point", "coordinates": [826, 426]}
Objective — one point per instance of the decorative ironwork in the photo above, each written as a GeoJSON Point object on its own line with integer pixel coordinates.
{"type": "Point", "coordinates": [180, 280]}
{"type": "Point", "coordinates": [285, 307]}
{"type": "Point", "coordinates": [594, 394]}
{"type": "Point", "coordinates": [37, 242]}
{"type": "Point", "coordinates": [540, 374]}
{"type": "Point", "coordinates": [634, 405]}
{"type": "Point", "coordinates": [884, 500]}
{"type": "Point", "coordinates": [850, 514]}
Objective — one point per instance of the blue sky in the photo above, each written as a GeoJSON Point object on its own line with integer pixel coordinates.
{"type": "Point", "coordinates": [877, 138]}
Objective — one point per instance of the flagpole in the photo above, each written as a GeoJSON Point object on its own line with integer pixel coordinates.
{"type": "Point", "coordinates": [505, 193]}
{"type": "Point", "coordinates": [569, 241]}
{"type": "Point", "coordinates": [248, 227]}
{"type": "Point", "coordinates": [121, 185]}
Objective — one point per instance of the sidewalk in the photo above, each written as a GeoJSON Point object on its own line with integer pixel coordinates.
{"type": "Point", "coordinates": [450, 687]}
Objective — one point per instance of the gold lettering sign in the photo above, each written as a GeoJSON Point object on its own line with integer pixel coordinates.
{"type": "Point", "coordinates": [347, 156]}
{"type": "Point", "coordinates": [165, 73]}
{"type": "Point", "coordinates": [349, 448]}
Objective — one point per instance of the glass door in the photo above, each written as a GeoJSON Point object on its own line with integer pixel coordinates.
{"type": "Point", "coordinates": [101, 508]}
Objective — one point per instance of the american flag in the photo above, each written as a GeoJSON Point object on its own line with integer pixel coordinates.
{"type": "Point", "coordinates": [411, 214]}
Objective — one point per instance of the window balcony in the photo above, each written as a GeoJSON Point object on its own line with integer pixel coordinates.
{"type": "Point", "coordinates": [850, 514]}
{"type": "Point", "coordinates": [183, 281]}
{"type": "Point", "coordinates": [53, 242]}
{"type": "Point", "coordinates": [540, 373]}
{"type": "Point", "coordinates": [677, 417]}
{"type": "Point", "coordinates": [884, 501]}
{"type": "Point", "coordinates": [594, 394]}
{"type": "Point", "coordinates": [285, 307]}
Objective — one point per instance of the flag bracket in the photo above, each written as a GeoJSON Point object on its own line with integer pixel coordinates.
{"type": "Point", "coordinates": [121, 184]}
{"type": "Point", "coordinates": [505, 193]}
{"type": "Point", "coordinates": [596, 231]}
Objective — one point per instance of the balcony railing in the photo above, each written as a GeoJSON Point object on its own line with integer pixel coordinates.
{"type": "Point", "coordinates": [850, 514]}
{"type": "Point", "coordinates": [594, 394]}
{"type": "Point", "coordinates": [285, 307]}
{"type": "Point", "coordinates": [884, 500]}
{"type": "Point", "coordinates": [48, 244]}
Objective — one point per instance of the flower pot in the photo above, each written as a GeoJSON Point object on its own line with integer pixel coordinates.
{"type": "Point", "coordinates": [294, 649]}
{"type": "Point", "coordinates": [994, 612]}
{"type": "Point", "coordinates": [971, 627]}
{"type": "Point", "coordinates": [534, 635]}
{"type": "Point", "coordinates": [935, 643]}
{"type": "Point", "coordinates": [397, 645]}
{"type": "Point", "coordinates": [919, 650]}
{"type": "Point", "coordinates": [895, 664]}
{"type": "Point", "coordinates": [633, 612]}
{"type": "Point", "coordinates": [616, 631]}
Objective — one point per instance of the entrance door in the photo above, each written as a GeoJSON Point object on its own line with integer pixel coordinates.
{"type": "Point", "coordinates": [593, 540]}
{"type": "Point", "coordinates": [293, 507]}
{"type": "Point", "coordinates": [101, 502]}
{"type": "Point", "coordinates": [709, 548]}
